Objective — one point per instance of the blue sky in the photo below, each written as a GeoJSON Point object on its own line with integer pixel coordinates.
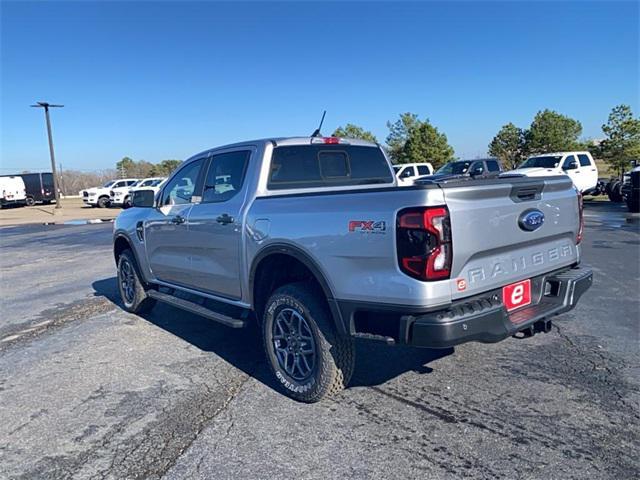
{"type": "Point", "coordinates": [158, 80]}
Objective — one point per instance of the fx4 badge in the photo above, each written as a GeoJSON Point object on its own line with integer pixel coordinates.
{"type": "Point", "coordinates": [367, 226]}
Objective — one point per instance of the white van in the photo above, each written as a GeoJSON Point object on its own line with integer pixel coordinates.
{"type": "Point", "coordinates": [580, 166]}
{"type": "Point", "coordinates": [408, 172]}
{"type": "Point", "coordinates": [12, 191]}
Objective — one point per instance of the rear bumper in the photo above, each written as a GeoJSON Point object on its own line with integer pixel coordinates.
{"type": "Point", "coordinates": [485, 319]}
{"type": "Point", "coordinates": [481, 318]}
{"type": "Point", "coordinates": [11, 201]}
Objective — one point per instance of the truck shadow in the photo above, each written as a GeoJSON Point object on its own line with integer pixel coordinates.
{"type": "Point", "coordinates": [375, 363]}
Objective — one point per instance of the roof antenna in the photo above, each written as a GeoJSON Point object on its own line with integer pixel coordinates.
{"type": "Point", "coordinates": [317, 131]}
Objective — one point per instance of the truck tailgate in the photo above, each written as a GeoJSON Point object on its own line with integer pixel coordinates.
{"type": "Point", "coordinates": [491, 247]}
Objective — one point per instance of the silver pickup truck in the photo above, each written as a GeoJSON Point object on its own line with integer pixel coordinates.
{"type": "Point", "coordinates": [312, 239]}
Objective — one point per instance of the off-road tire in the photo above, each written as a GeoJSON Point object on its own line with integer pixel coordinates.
{"type": "Point", "coordinates": [135, 300]}
{"type": "Point", "coordinates": [614, 191]}
{"type": "Point", "coordinates": [103, 202]}
{"type": "Point", "coordinates": [334, 353]}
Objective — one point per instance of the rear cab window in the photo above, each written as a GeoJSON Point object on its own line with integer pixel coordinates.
{"type": "Point", "coordinates": [314, 166]}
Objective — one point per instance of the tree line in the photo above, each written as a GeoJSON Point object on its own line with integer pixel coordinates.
{"type": "Point", "coordinates": [72, 181]}
{"type": "Point", "coordinates": [411, 140]}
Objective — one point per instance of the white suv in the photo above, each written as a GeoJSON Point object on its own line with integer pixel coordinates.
{"type": "Point", "coordinates": [121, 196]}
{"type": "Point", "coordinates": [406, 173]}
{"type": "Point", "coordinates": [579, 166]}
{"type": "Point", "coordinates": [99, 196]}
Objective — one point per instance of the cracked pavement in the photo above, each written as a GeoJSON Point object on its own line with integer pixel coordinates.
{"type": "Point", "coordinates": [90, 391]}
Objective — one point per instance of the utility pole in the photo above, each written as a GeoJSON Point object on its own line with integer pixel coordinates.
{"type": "Point", "coordinates": [46, 107]}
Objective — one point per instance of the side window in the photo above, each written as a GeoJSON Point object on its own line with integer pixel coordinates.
{"type": "Point", "coordinates": [118, 184]}
{"type": "Point", "coordinates": [568, 160]}
{"type": "Point", "coordinates": [407, 172]}
{"type": "Point", "coordinates": [225, 176]}
{"type": "Point", "coordinates": [584, 160]}
{"type": "Point", "coordinates": [131, 182]}
{"type": "Point", "coordinates": [423, 170]}
{"type": "Point", "coordinates": [493, 166]}
{"type": "Point", "coordinates": [180, 189]}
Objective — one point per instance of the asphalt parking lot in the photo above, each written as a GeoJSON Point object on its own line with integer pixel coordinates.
{"type": "Point", "coordinates": [89, 391]}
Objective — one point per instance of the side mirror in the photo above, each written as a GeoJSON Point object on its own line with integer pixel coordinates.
{"type": "Point", "coordinates": [572, 165]}
{"type": "Point", "coordinates": [143, 199]}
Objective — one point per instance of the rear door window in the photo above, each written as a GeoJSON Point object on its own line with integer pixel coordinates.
{"type": "Point", "coordinates": [493, 166]}
{"type": "Point", "coordinates": [584, 160]}
{"type": "Point", "coordinates": [312, 166]}
{"type": "Point", "coordinates": [423, 170]}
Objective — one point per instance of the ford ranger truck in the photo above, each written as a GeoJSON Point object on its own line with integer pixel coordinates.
{"type": "Point", "coordinates": [312, 239]}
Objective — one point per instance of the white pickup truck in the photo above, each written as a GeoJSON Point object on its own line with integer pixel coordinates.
{"type": "Point", "coordinates": [579, 166]}
{"type": "Point", "coordinates": [121, 196]}
{"type": "Point", "coordinates": [99, 196]}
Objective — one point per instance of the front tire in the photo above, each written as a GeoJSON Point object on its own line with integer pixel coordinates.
{"type": "Point", "coordinates": [308, 357]}
{"type": "Point", "coordinates": [103, 202]}
{"type": "Point", "coordinates": [30, 202]}
{"type": "Point", "coordinates": [132, 292]}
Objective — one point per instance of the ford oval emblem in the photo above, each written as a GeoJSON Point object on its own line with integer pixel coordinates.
{"type": "Point", "coordinates": [531, 220]}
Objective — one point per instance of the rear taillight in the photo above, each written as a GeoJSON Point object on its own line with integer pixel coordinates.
{"type": "Point", "coordinates": [424, 242]}
{"type": "Point", "coordinates": [581, 215]}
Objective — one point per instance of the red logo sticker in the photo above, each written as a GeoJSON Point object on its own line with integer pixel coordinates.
{"type": "Point", "coordinates": [461, 283]}
{"type": "Point", "coordinates": [516, 295]}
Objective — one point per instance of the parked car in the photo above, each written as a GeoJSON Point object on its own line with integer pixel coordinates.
{"type": "Point", "coordinates": [408, 172]}
{"type": "Point", "coordinates": [482, 167]}
{"type": "Point", "coordinates": [39, 188]}
{"type": "Point", "coordinates": [313, 239]}
{"type": "Point", "coordinates": [99, 196]}
{"type": "Point", "coordinates": [579, 166]}
{"type": "Point", "coordinates": [12, 191]}
{"type": "Point", "coordinates": [121, 196]}
{"type": "Point", "coordinates": [631, 190]}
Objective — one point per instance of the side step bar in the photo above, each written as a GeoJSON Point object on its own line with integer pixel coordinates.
{"type": "Point", "coordinates": [197, 309]}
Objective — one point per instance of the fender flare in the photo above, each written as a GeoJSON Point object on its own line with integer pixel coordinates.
{"type": "Point", "coordinates": [307, 261]}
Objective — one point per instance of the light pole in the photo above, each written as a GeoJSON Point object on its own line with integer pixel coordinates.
{"type": "Point", "coordinates": [46, 107]}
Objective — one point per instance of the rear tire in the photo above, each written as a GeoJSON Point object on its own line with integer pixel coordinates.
{"type": "Point", "coordinates": [615, 191]}
{"type": "Point", "coordinates": [308, 357]}
{"type": "Point", "coordinates": [132, 291]}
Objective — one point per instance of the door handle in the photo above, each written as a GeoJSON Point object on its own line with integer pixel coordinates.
{"type": "Point", "coordinates": [178, 220]}
{"type": "Point", "coordinates": [224, 219]}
